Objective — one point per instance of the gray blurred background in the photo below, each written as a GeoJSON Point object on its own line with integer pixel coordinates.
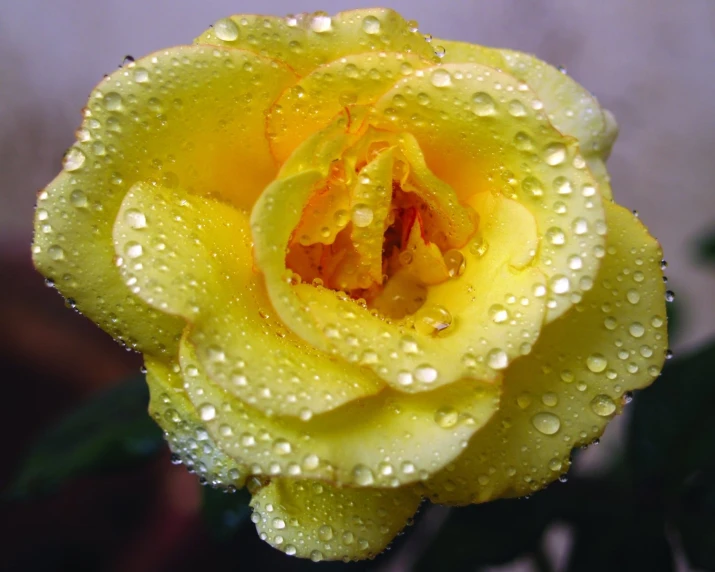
{"type": "Point", "coordinates": [652, 62]}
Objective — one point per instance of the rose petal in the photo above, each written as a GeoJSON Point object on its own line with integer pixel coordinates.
{"type": "Point", "coordinates": [385, 440]}
{"type": "Point", "coordinates": [477, 347]}
{"type": "Point", "coordinates": [564, 393]}
{"type": "Point", "coordinates": [307, 41]}
{"type": "Point", "coordinates": [191, 256]}
{"type": "Point", "coordinates": [479, 131]}
{"type": "Point", "coordinates": [198, 113]}
{"type": "Point", "coordinates": [309, 105]}
{"type": "Point", "coordinates": [187, 438]}
{"type": "Point", "coordinates": [314, 520]}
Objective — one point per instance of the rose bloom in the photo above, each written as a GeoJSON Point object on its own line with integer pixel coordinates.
{"type": "Point", "coordinates": [364, 268]}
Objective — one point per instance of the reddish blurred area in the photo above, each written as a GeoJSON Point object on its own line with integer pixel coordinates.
{"type": "Point", "coordinates": [144, 518]}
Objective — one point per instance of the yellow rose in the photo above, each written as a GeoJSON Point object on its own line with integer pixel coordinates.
{"type": "Point", "coordinates": [363, 268]}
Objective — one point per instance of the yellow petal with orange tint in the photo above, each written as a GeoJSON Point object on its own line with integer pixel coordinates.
{"type": "Point", "coordinates": [309, 105]}
{"type": "Point", "coordinates": [569, 106]}
{"type": "Point", "coordinates": [315, 520]}
{"type": "Point", "coordinates": [573, 383]}
{"type": "Point", "coordinates": [479, 131]}
{"type": "Point", "coordinates": [407, 359]}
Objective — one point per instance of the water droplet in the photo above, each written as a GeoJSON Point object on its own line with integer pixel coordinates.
{"type": "Point", "coordinates": [291, 550]}
{"type": "Point", "coordinates": [633, 296]}
{"type": "Point", "coordinates": [532, 187]}
{"type": "Point", "coordinates": [556, 236]}
{"type": "Point", "coordinates": [56, 252]}
{"type": "Point", "coordinates": [560, 284]}
{"type": "Point", "coordinates": [497, 359]}
{"type": "Point", "coordinates": [580, 226]}
{"type": "Point", "coordinates": [446, 417]}
{"type": "Point", "coordinates": [316, 555]}
{"type": "Point", "coordinates": [441, 78]}
{"type": "Point", "coordinates": [73, 159]}
{"type": "Point", "coordinates": [326, 532]}
{"type": "Point", "coordinates": [455, 262]}
{"type": "Point", "coordinates": [440, 51]}
{"type": "Point", "coordinates": [546, 423]}
{"type": "Point", "coordinates": [432, 319]}
{"type": "Point", "coordinates": [321, 23]}
{"type": "Point", "coordinates": [483, 104]}
{"type": "Point", "coordinates": [669, 295]}
{"type": "Point", "coordinates": [425, 373]}
{"type": "Point", "coordinates": [362, 475]}
{"type": "Point", "coordinates": [550, 399]}
{"type": "Point", "coordinates": [498, 313]}
{"type": "Point", "coordinates": [555, 154]}
{"type": "Point", "coordinates": [636, 330]}
{"type": "Point", "coordinates": [603, 405]}
{"type": "Point", "coordinates": [112, 101]}
{"type": "Point", "coordinates": [362, 215]}
{"type": "Point", "coordinates": [516, 108]}
{"type": "Point", "coordinates": [596, 363]}
{"type": "Point", "coordinates": [575, 262]}
{"type": "Point", "coordinates": [133, 249]}
{"type": "Point", "coordinates": [524, 400]}
{"type": "Point", "coordinates": [563, 186]}
{"type": "Point", "coordinates": [226, 30]}
{"type": "Point", "coordinates": [281, 447]}
{"type": "Point", "coordinates": [141, 75]}
{"type": "Point", "coordinates": [207, 412]}
{"type": "Point", "coordinates": [135, 219]}
{"type": "Point", "coordinates": [371, 25]}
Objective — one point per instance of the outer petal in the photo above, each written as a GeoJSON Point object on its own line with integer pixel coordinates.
{"type": "Point", "coordinates": [480, 129]}
{"type": "Point", "coordinates": [386, 440]}
{"type": "Point", "coordinates": [570, 107]}
{"type": "Point", "coordinates": [477, 347]}
{"type": "Point", "coordinates": [187, 438]}
{"type": "Point", "coordinates": [564, 393]}
{"type": "Point", "coordinates": [191, 256]}
{"type": "Point", "coordinates": [198, 113]}
{"type": "Point", "coordinates": [318, 521]}
{"type": "Point", "coordinates": [307, 41]}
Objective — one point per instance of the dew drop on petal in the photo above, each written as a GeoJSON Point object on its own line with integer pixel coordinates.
{"type": "Point", "coordinates": [603, 405]}
{"type": "Point", "coordinates": [596, 363]}
{"type": "Point", "coordinates": [226, 30]}
{"type": "Point", "coordinates": [546, 423]}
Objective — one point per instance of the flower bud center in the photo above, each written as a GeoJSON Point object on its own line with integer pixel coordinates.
{"type": "Point", "coordinates": [375, 231]}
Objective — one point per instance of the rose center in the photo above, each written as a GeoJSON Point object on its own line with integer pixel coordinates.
{"type": "Point", "coordinates": [381, 231]}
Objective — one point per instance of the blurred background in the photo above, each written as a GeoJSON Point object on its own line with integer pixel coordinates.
{"type": "Point", "coordinates": [65, 505]}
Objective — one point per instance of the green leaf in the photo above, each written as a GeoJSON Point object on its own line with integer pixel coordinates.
{"type": "Point", "coordinates": [110, 431]}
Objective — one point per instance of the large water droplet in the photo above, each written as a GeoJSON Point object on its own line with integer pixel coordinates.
{"type": "Point", "coordinates": [362, 215]}
{"type": "Point", "coordinates": [555, 154]}
{"type": "Point", "coordinates": [207, 412]}
{"type": "Point", "coordinates": [432, 319]}
{"type": "Point", "coordinates": [441, 78]}
{"type": "Point", "coordinates": [371, 25]}
{"type": "Point", "coordinates": [603, 405]}
{"type": "Point", "coordinates": [226, 30]}
{"type": "Point", "coordinates": [497, 359]}
{"type": "Point", "coordinates": [546, 423]}
{"type": "Point", "coordinates": [73, 159]}
{"type": "Point", "coordinates": [596, 363]}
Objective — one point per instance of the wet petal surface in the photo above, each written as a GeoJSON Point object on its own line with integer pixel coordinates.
{"type": "Point", "coordinates": [314, 520]}
{"type": "Point", "coordinates": [573, 383]}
